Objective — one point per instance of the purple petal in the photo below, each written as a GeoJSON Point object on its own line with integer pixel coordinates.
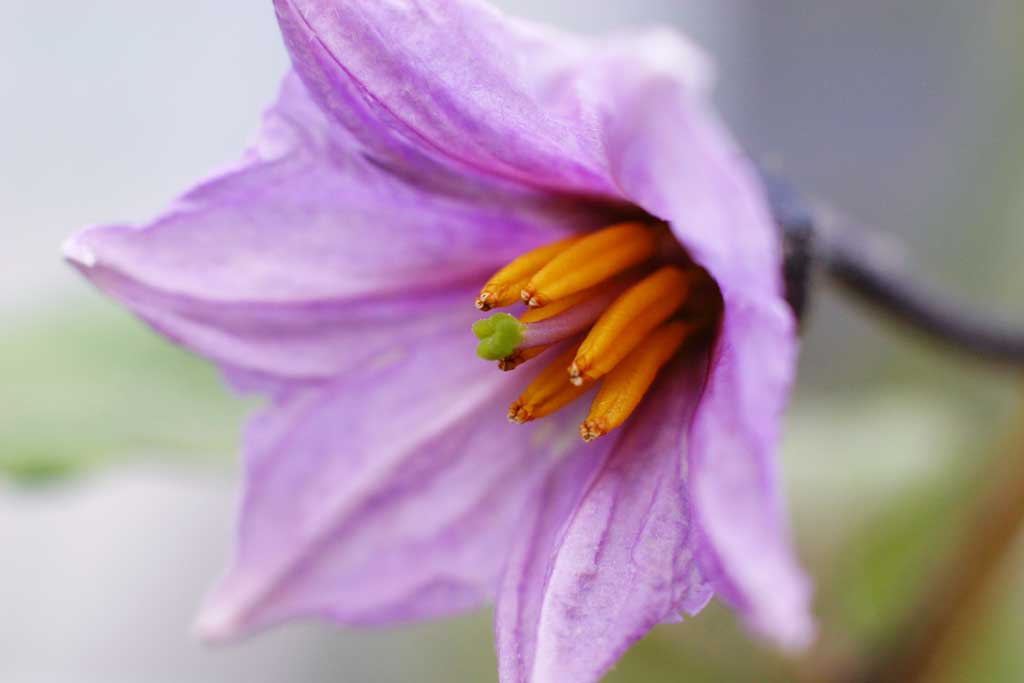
{"type": "Point", "coordinates": [457, 84]}
{"type": "Point", "coordinates": [389, 495]}
{"type": "Point", "coordinates": [308, 255]}
{"type": "Point", "coordinates": [735, 483]}
{"type": "Point", "coordinates": [337, 248]}
{"type": "Point", "coordinates": [678, 163]}
{"type": "Point", "coordinates": [460, 84]}
{"type": "Point", "coordinates": [613, 550]}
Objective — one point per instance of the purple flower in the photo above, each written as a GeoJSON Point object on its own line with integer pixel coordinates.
{"type": "Point", "coordinates": [419, 147]}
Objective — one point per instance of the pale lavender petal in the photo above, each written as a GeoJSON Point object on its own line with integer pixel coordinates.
{"type": "Point", "coordinates": [678, 163]}
{"type": "Point", "coordinates": [334, 248]}
{"type": "Point", "coordinates": [612, 550]}
{"type": "Point", "coordinates": [308, 254]}
{"type": "Point", "coordinates": [459, 83]}
{"type": "Point", "coordinates": [735, 482]}
{"type": "Point", "coordinates": [389, 495]}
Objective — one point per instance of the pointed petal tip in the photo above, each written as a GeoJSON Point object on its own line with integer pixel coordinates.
{"type": "Point", "coordinates": [796, 639]}
{"type": "Point", "coordinates": [78, 253]}
{"type": "Point", "coordinates": [218, 624]}
{"type": "Point", "coordinates": [225, 614]}
{"type": "Point", "coordinates": [791, 632]}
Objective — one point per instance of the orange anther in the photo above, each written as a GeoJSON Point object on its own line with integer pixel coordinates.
{"type": "Point", "coordinates": [632, 316]}
{"type": "Point", "coordinates": [504, 287]}
{"type": "Point", "coordinates": [590, 261]}
{"type": "Point", "coordinates": [624, 387]}
{"type": "Point", "coordinates": [547, 393]}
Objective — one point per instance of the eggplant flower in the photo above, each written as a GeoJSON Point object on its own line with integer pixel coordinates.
{"type": "Point", "coordinates": [424, 155]}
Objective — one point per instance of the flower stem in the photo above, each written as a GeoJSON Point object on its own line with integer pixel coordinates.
{"type": "Point", "coordinates": [865, 267]}
{"type": "Point", "coordinates": [888, 289]}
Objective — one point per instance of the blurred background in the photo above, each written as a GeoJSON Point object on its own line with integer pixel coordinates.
{"type": "Point", "coordinates": [117, 451]}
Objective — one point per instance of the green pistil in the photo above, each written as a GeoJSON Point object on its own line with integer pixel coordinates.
{"type": "Point", "coordinates": [499, 336]}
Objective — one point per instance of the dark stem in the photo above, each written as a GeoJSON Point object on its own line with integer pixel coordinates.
{"type": "Point", "coordinates": [866, 267]}
{"type": "Point", "coordinates": [890, 291]}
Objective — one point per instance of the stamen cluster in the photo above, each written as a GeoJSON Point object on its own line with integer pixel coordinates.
{"type": "Point", "coordinates": [624, 300]}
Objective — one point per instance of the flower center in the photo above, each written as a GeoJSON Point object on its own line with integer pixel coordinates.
{"type": "Point", "coordinates": [626, 299]}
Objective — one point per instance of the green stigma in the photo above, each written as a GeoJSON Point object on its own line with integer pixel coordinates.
{"type": "Point", "coordinates": [499, 336]}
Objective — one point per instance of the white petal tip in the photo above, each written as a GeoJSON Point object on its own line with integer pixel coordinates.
{"type": "Point", "coordinates": [799, 641]}
{"type": "Point", "coordinates": [216, 625]}
{"type": "Point", "coordinates": [792, 636]}
{"type": "Point", "coordinates": [78, 253]}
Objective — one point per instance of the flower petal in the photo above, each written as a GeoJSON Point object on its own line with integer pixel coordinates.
{"type": "Point", "coordinates": [450, 114]}
{"type": "Point", "coordinates": [459, 83]}
{"type": "Point", "coordinates": [735, 483]}
{"type": "Point", "coordinates": [673, 159]}
{"type": "Point", "coordinates": [456, 83]}
{"type": "Point", "coordinates": [307, 252]}
{"type": "Point", "coordinates": [614, 550]}
{"type": "Point", "coordinates": [388, 495]}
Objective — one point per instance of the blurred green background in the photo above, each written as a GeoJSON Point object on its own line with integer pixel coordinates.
{"type": "Point", "coordinates": [118, 450]}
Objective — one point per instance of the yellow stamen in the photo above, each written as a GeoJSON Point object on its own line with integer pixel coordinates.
{"type": "Point", "coordinates": [590, 261]}
{"type": "Point", "coordinates": [559, 306]}
{"type": "Point", "coordinates": [632, 316]}
{"type": "Point", "coordinates": [547, 393]}
{"type": "Point", "coordinates": [504, 287]}
{"type": "Point", "coordinates": [520, 356]}
{"type": "Point", "coordinates": [625, 386]}
{"type": "Point", "coordinates": [535, 315]}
